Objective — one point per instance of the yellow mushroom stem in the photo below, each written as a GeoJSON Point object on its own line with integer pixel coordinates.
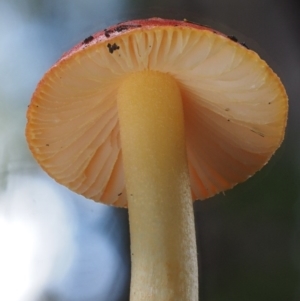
{"type": "Point", "coordinates": [163, 246]}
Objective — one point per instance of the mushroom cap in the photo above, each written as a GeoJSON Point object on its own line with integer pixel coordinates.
{"type": "Point", "coordinates": [235, 107]}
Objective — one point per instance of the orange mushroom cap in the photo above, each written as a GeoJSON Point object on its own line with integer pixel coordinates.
{"type": "Point", "coordinates": [235, 107]}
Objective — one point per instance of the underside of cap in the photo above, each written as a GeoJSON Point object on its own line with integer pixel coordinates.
{"type": "Point", "coordinates": [235, 107]}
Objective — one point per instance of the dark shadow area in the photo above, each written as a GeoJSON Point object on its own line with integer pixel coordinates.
{"type": "Point", "coordinates": [245, 238]}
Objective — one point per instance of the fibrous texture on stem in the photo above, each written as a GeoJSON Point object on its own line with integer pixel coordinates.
{"type": "Point", "coordinates": [163, 248]}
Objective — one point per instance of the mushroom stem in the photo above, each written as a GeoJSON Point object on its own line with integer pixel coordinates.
{"type": "Point", "coordinates": [163, 245]}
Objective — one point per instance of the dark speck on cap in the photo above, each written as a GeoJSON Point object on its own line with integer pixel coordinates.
{"type": "Point", "coordinates": [233, 38]}
{"type": "Point", "coordinates": [112, 47]}
{"type": "Point", "coordinates": [88, 40]}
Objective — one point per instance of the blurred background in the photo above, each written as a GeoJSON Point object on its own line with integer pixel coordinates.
{"type": "Point", "coordinates": [57, 246]}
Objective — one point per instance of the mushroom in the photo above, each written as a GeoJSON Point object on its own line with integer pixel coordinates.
{"type": "Point", "coordinates": [153, 114]}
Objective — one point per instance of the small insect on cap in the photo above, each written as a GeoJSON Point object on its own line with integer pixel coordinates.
{"type": "Point", "coordinates": [235, 107]}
